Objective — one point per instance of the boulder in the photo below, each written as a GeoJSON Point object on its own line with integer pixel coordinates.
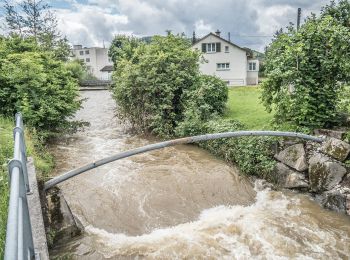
{"type": "Point", "coordinates": [294, 156]}
{"type": "Point", "coordinates": [288, 178]}
{"type": "Point", "coordinates": [324, 173]}
{"type": "Point", "coordinates": [331, 133]}
{"type": "Point", "coordinates": [336, 148]}
{"type": "Point", "coordinates": [335, 200]}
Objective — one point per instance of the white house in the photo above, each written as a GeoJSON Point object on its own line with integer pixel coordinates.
{"type": "Point", "coordinates": [227, 61]}
{"type": "Point", "coordinates": [96, 59]}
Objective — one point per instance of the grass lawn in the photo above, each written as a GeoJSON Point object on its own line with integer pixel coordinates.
{"type": "Point", "coordinates": [244, 105]}
{"type": "Point", "coordinates": [6, 152]}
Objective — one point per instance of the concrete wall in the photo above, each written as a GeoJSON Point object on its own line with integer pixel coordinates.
{"type": "Point", "coordinates": [253, 75]}
{"type": "Point", "coordinates": [36, 214]}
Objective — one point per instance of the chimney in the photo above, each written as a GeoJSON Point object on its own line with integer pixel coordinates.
{"type": "Point", "coordinates": [229, 36]}
{"type": "Point", "coordinates": [218, 32]}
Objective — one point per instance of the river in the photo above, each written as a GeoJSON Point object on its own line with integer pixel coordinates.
{"type": "Point", "coordinates": [181, 202]}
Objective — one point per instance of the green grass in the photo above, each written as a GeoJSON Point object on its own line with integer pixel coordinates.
{"type": "Point", "coordinates": [6, 152]}
{"type": "Point", "coordinates": [245, 106]}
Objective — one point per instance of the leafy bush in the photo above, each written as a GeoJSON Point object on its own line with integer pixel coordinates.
{"type": "Point", "coordinates": [37, 85]}
{"type": "Point", "coordinates": [208, 98]}
{"type": "Point", "coordinates": [306, 71]}
{"type": "Point", "coordinates": [253, 155]}
{"type": "Point", "coordinates": [159, 82]}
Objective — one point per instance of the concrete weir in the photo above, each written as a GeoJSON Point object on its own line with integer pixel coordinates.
{"type": "Point", "coordinates": [36, 215]}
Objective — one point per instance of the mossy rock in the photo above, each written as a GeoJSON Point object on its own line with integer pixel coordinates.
{"type": "Point", "coordinates": [336, 148]}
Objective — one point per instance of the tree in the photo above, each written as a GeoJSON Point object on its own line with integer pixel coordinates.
{"type": "Point", "coordinates": [123, 48]}
{"type": "Point", "coordinates": [34, 18]}
{"type": "Point", "coordinates": [306, 71]}
{"type": "Point", "coordinates": [41, 87]}
{"type": "Point", "coordinates": [339, 11]}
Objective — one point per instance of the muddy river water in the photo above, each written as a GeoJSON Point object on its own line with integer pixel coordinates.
{"type": "Point", "coordinates": [181, 202]}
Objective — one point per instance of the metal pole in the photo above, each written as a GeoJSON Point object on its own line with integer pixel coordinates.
{"type": "Point", "coordinates": [187, 140]}
{"type": "Point", "coordinates": [298, 19]}
{"type": "Point", "coordinates": [12, 218]}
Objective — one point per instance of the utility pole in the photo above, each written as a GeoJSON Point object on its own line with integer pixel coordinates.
{"type": "Point", "coordinates": [298, 19]}
{"type": "Point", "coordinates": [298, 25]}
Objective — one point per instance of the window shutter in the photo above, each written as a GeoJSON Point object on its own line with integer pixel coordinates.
{"type": "Point", "coordinates": [218, 47]}
{"type": "Point", "coordinates": [204, 47]}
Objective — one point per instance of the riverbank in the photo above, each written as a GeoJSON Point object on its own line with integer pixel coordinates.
{"type": "Point", "coordinates": [35, 148]}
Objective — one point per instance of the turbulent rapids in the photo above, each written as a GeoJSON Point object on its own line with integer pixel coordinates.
{"type": "Point", "coordinates": [181, 202]}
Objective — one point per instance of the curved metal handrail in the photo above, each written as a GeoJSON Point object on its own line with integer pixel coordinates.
{"type": "Point", "coordinates": [187, 140]}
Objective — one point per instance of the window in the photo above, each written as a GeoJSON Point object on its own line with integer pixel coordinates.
{"type": "Point", "coordinates": [226, 49]}
{"type": "Point", "coordinates": [81, 52]}
{"type": "Point", "coordinates": [252, 66]}
{"type": "Point", "coordinates": [211, 47]}
{"type": "Point", "coordinates": [87, 59]}
{"type": "Point", "coordinates": [222, 66]}
{"type": "Point", "coordinates": [82, 60]}
{"type": "Point", "coordinates": [87, 52]}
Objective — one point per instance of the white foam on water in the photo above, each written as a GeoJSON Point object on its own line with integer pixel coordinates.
{"type": "Point", "coordinates": [274, 227]}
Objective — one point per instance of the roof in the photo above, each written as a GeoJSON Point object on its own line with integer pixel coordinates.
{"type": "Point", "coordinates": [107, 68]}
{"type": "Point", "coordinates": [213, 34]}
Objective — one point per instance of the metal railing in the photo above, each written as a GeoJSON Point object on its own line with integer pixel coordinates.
{"type": "Point", "coordinates": [187, 140]}
{"type": "Point", "coordinates": [19, 239]}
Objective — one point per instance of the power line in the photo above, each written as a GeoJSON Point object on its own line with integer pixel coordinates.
{"type": "Point", "coordinates": [257, 36]}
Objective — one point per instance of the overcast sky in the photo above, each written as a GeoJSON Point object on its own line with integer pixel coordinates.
{"type": "Point", "coordinates": [92, 22]}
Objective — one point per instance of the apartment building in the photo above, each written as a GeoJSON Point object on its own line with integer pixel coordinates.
{"type": "Point", "coordinates": [96, 59]}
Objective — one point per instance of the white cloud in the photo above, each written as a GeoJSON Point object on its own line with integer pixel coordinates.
{"type": "Point", "coordinates": [90, 25]}
{"type": "Point", "coordinates": [99, 20]}
{"type": "Point", "coordinates": [202, 28]}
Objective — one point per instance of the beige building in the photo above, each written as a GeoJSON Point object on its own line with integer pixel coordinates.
{"type": "Point", "coordinates": [227, 60]}
{"type": "Point", "coordinates": [96, 59]}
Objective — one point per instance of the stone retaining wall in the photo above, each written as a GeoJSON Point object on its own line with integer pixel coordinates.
{"type": "Point", "coordinates": [320, 169]}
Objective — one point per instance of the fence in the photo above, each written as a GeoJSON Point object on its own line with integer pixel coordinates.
{"type": "Point", "coordinates": [19, 239]}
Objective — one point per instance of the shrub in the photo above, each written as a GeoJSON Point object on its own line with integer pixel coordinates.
{"type": "Point", "coordinates": [40, 87]}
{"type": "Point", "coordinates": [159, 82]}
{"type": "Point", "coordinates": [253, 155]}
